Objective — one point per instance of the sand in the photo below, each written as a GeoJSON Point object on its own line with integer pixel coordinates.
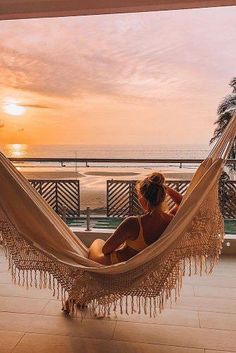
{"type": "Point", "coordinates": [93, 179]}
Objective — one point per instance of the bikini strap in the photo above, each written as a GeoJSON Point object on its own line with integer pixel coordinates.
{"type": "Point", "coordinates": [139, 243]}
{"type": "Point", "coordinates": [139, 221]}
{"type": "Point", "coordinates": [140, 226]}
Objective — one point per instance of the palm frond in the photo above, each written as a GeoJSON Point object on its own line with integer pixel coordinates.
{"type": "Point", "coordinates": [233, 82]}
{"type": "Point", "coordinates": [225, 112]}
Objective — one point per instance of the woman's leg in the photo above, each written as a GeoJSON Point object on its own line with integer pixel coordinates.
{"type": "Point", "coordinates": [96, 254]}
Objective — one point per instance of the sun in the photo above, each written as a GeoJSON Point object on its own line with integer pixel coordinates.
{"type": "Point", "coordinates": [14, 109]}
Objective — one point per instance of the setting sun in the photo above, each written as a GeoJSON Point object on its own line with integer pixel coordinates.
{"type": "Point", "coordinates": [13, 109]}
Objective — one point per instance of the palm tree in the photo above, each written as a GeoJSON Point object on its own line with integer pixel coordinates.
{"type": "Point", "coordinates": [225, 112]}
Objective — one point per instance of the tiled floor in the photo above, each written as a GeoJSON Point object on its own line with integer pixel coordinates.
{"type": "Point", "coordinates": [202, 321]}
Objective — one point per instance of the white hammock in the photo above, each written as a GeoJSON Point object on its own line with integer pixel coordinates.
{"type": "Point", "coordinates": [44, 252]}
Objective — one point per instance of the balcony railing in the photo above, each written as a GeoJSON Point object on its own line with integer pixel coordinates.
{"type": "Point", "coordinates": [122, 200]}
{"type": "Point", "coordinates": [109, 161]}
{"type": "Point", "coordinates": [64, 197]}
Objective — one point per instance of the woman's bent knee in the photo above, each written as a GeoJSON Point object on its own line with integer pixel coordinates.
{"type": "Point", "coordinates": [95, 248]}
{"type": "Point", "coordinates": [96, 254]}
{"type": "Point", "coordinates": [98, 243]}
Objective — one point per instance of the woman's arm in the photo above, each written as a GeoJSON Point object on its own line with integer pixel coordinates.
{"type": "Point", "coordinates": [175, 196]}
{"type": "Point", "coordinates": [127, 229]}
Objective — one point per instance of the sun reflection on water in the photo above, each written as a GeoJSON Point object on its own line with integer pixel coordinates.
{"type": "Point", "coordinates": [16, 150]}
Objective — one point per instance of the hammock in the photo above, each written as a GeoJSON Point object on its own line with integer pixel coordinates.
{"type": "Point", "coordinates": [44, 252]}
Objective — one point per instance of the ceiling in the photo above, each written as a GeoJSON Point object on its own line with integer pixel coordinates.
{"type": "Point", "coordinates": [16, 9]}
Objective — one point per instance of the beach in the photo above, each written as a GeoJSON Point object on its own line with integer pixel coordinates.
{"type": "Point", "coordinates": [93, 179]}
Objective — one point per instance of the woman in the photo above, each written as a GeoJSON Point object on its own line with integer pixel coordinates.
{"type": "Point", "coordinates": [136, 233]}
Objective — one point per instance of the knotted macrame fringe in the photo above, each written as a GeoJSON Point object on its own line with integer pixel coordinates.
{"type": "Point", "coordinates": [113, 304]}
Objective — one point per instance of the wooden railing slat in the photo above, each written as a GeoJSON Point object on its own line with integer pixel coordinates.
{"type": "Point", "coordinates": [60, 194]}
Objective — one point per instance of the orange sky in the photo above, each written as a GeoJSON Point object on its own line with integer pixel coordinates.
{"type": "Point", "coordinates": [145, 78]}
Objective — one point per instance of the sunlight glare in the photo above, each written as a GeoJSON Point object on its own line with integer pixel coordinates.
{"type": "Point", "coordinates": [13, 109]}
{"type": "Point", "coordinates": [17, 150]}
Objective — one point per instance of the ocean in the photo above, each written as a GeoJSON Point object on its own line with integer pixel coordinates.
{"type": "Point", "coordinates": [107, 151]}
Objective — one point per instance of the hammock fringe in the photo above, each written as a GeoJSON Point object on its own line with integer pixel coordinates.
{"type": "Point", "coordinates": [24, 272]}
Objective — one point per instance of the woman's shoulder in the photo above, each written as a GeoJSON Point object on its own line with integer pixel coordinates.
{"type": "Point", "coordinates": [131, 221]}
{"type": "Point", "coordinates": [131, 224]}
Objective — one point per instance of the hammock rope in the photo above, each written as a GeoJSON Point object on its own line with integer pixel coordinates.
{"type": "Point", "coordinates": [43, 252]}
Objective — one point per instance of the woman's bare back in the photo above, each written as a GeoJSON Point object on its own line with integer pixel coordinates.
{"type": "Point", "coordinates": [153, 226]}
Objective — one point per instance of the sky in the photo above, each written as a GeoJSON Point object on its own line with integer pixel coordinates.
{"type": "Point", "coordinates": [144, 78]}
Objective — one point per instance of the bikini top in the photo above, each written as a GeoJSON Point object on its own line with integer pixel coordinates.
{"type": "Point", "coordinates": [137, 244]}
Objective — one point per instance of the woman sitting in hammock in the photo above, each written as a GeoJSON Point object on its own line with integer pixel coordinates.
{"type": "Point", "coordinates": [136, 233]}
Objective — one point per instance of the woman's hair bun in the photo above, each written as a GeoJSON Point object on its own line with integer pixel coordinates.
{"type": "Point", "coordinates": [152, 188]}
{"type": "Point", "coordinates": [157, 178]}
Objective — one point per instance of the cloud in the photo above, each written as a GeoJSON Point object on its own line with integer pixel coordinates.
{"type": "Point", "coordinates": [113, 67]}
{"type": "Point", "coordinates": [119, 57]}
{"type": "Point", "coordinates": [38, 106]}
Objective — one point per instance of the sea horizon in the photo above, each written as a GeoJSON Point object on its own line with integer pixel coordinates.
{"type": "Point", "coordinates": [149, 151]}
